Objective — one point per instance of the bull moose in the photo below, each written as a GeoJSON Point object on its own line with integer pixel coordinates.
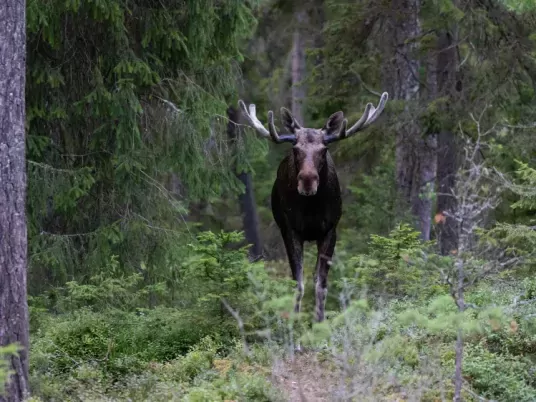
{"type": "Point", "coordinates": [306, 196]}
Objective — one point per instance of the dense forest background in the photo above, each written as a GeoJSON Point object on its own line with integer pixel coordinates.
{"type": "Point", "coordinates": [156, 271]}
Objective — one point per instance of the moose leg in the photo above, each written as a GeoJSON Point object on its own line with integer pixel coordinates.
{"type": "Point", "coordinates": [294, 247]}
{"type": "Point", "coordinates": [326, 247]}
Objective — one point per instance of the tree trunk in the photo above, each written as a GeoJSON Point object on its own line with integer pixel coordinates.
{"type": "Point", "coordinates": [13, 232]}
{"type": "Point", "coordinates": [247, 198]}
{"type": "Point", "coordinates": [460, 302]}
{"type": "Point", "coordinates": [401, 74]}
{"type": "Point", "coordinates": [249, 217]}
{"type": "Point", "coordinates": [298, 68]}
{"type": "Point", "coordinates": [427, 157]}
{"type": "Point", "coordinates": [447, 165]}
{"type": "Point", "coordinates": [446, 177]}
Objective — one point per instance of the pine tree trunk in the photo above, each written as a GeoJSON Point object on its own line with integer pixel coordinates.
{"type": "Point", "coordinates": [248, 207]}
{"type": "Point", "coordinates": [13, 243]}
{"type": "Point", "coordinates": [407, 87]}
{"type": "Point", "coordinates": [447, 165]}
{"type": "Point", "coordinates": [446, 177]}
{"type": "Point", "coordinates": [298, 68]}
{"type": "Point", "coordinates": [427, 157]}
{"type": "Point", "coordinates": [401, 75]}
{"type": "Point", "coordinates": [249, 217]}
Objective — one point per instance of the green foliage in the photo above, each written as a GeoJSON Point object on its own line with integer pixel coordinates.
{"type": "Point", "coordinates": [441, 318]}
{"type": "Point", "coordinates": [517, 238]}
{"type": "Point", "coordinates": [527, 178]}
{"type": "Point", "coordinates": [5, 354]}
{"type": "Point", "coordinates": [520, 6]}
{"type": "Point", "coordinates": [218, 271]}
{"type": "Point", "coordinates": [202, 374]}
{"type": "Point", "coordinates": [499, 377]}
{"type": "Point", "coordinates": [106, 334]}
{"type": "Point", "coordinates": [168, 354]}
{"type": "Point", "coordinates": [118, 343]}
{"type": "Point", "coordinates": [415, 339]}
{"type": "Point", "coordinates": [218, 277]}
{"type": "Point", "coordinates": [122, 99]}
{"type": "Point", "coordinates": [126, 134]}
{"type": "Point", "coordinates": [106, 292]}
{"type": "Point", "coordinates": [369, 208]}
{"type": "Point", "coordinates": [387, 269]}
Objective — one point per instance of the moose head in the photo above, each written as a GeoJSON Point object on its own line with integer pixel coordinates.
{"type": "Point", "coordinates": [306, 198]}
{"type": "Point", "coordinates": [309, 151]}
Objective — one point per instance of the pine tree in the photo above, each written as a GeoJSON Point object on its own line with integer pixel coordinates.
{"type": "Point", "coordinates": [122, 99]}
{"type": "Point", "coordinates": [13, 243]}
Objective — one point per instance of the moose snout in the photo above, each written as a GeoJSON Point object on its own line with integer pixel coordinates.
{"type": "Point", "coordinates": [307, 183]}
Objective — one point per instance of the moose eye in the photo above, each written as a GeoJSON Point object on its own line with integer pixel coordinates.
{"type": "Point", "coordinates": [298, 152]}
{"type": "Point", "coordinates": [322, 153]}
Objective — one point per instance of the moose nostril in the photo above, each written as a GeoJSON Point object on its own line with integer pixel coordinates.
{"type": "Point", "coordinates": [308, 176]}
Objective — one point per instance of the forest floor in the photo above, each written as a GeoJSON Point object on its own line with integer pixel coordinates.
{"type": "Point", "coordinates": [304, 378]}
{"type": "Point", "coordinates": [308, 378]}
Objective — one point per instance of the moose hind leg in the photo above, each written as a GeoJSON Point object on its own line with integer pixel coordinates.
{"type": "Point", "coordinates": [294, 247]}
{"type": "Point", "coordinates": [326, 247]}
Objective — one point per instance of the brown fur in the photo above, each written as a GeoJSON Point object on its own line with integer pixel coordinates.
{"type": "Point", "coordinates": [308, 217]}
{"type": "Point", "coordinates": [306, 196]}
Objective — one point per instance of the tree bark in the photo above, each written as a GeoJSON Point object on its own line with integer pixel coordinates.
{"type": "Point", "coordinates": [401, 74]}
{"type": "Point", "coordinates": [13, 231]}
{"type": "Point", "coordinates": [447, 166]}
{"type": "Point", "coordinates": [298, 68]}
{"type": "Point", "coordinates": [446, 178]}
{"type": "Point", "coordinates": [427, 157]}
{"type": "Point", "coordinates": [459, 292]}
{"type": "Point", "coordinates": [248, 207]}
{"type": "Point", "coordinates": [458, 371]}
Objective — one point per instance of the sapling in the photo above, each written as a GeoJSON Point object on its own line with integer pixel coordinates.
{"type": "Point", "coordinates": [477, 193]}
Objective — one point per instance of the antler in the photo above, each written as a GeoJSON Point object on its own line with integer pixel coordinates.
{"type": "Point", "coordinates": [369, 116]}
{"type": "Point", "coordinates": [251, 117]}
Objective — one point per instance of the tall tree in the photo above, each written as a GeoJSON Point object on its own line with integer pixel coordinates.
{"type": "Point", "coordinates": [248, 207]}
{"type": "Point", "coordinates": [448, 86]}
{"type": "Point", "coordinates": [415, 152]}
{"type": "Point", "coordinates": [298, 66]}
{"type": "Point", "coordinates": [427, 153]}
{"type": "Point", "coordinates": [123, 97]}
{"type": "Point", "coordinates": [13, 244]}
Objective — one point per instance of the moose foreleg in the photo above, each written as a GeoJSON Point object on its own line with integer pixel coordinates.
{"type": "Point", "coordinates": [326, 247]}
{"type": "Point", "coordinates": [294, 247]}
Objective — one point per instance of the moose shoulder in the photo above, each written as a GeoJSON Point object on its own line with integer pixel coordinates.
{"type": "Point", "coordinates": [306, 198]}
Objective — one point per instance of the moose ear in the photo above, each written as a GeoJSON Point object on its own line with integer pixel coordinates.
{"type": "Point", "coordinates": [289, 121]}
{"type": "Point", "coordinates": [333, 125]}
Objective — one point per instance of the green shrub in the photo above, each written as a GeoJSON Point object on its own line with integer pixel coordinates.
{"type": "Point", "coordinates": [499, 377]}
{"type": "Point", "coordinates": [118, 342]}
{"type": "Point", "coordinates": [393, 267]}
{"type": "Point", "coordinates": [194, 376]}
{"type": "Point", "coordinates": [5, 353]}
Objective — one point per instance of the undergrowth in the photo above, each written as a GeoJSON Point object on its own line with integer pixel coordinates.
{"type": "Point", "coordinates": [96, 342]}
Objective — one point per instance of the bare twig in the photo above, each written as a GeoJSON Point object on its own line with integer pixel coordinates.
{"type": "Point", "coordinates": [240, 323]}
